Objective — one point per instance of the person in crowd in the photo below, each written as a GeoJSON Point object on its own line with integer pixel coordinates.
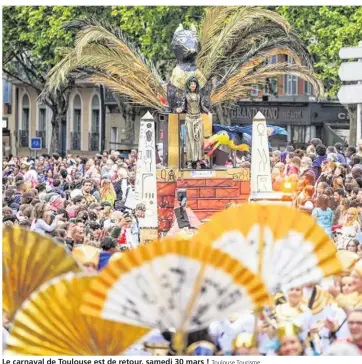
{"type": "Point", "coordinates": [44, 221]}
{"type": "Point", "coordinates": [323, 214]}
{"type": "Point", "coordinates": [321, 152]}
{"type": "Point", "coordinates": [295, 164]}
{"type": "Point", "coordinates": [138, 213]}
{"type": "Point", "coordinates": [244, 345]}
{"type": "Point", "coordinates": [352, 224]}
{"type": "Point", "coordinates": [340, 156]}
{"type": "Point", "coordinates": [87, 187]}
{"type": "Point", "coordinates": [350, 151]}
{"type": "Point", "coordinates": [275, 158]}
{"type": "Point", "coordinates": [355, 328]}
{"type": "Point", "coordinates": [289, 340]}
{"type": "Point", "coordinates": [305, 199]}
{"type": "Point", "coordinates": [107, 191]}
{"type": "Point", "coordinates": [352, 246]}
{"type": "Point", "coordinates": [359, 250]}
{"type": "Point", "coordinates": [341, 212]}
{"type": "Point", "coordinates": [108, 246]}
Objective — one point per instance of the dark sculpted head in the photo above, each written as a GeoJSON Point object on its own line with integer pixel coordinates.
{"type": "Point", "coordinates": [185, 44]}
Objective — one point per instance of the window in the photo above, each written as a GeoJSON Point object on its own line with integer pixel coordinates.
{"type": "Point", "coordinates": [114, 138]}
{"type": "Point", "coordinates": [273, 59]}
{"type": "Point", "coordinates": [77, 120]}
{"type": "Point", "coordinates": [290, 82]}
{"type": "Point", "coordinates": [307, 88]}
{"type": "Point", "coordinates": [7, 96]}
{"type": "Point", "coordinates": [42, 119]}
{"type": "Point", "coordinates": [94, 135]}
{"type": "Point", "coordinates": [254, 91]}
{"type": "Point", "coordinates": [77, 115]}
{"type": "Point", "coordinates": [42, 125]}
{"type": "Point", "coordinates": [95, 114]}
{"type": "Point", "coordinates": [77, 123]}
{"type": "Point", "coordinates": [25, 122]}
{"type": "Point", "coordinates": [26, 113]}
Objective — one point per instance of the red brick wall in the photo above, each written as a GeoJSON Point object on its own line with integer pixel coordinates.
{"type": "Point", "coordinates": [166, 201]}
{"type": "Point", "coordinates": [204, 197]}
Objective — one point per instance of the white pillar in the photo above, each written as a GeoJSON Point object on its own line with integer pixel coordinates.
{"type": "Point", "coordinates": [146, 178]}
{"type": "Point", "coordinates": [261, 180]}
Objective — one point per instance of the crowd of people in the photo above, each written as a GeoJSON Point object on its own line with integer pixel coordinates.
{"type": "Point", "coordinates": [327, 183]}
{"type": "Point", "coordinates": [82, 203]}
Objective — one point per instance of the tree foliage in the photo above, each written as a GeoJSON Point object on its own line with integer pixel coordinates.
{"type": "Point", "coordinates": [151, 28]}
{"type": "Point", "coordinates": [31, 37]}
{"type": "Point", "coordinates": [326, 29]}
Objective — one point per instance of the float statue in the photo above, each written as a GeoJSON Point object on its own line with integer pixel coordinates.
{"type": "Point", "coordinates": [193, 105]}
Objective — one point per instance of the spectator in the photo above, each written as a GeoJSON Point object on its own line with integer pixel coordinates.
{"type": "Point", "coordinates": [355, 328]}
{"type": "Point", "coordinates": [323, 214]}
{"type": "Point", "coordinates": [44, 221]}
{"type": "Point", "coordinates": [108, 246]}
{"type": "Point", "coordinates": [321, 156]}
{"type": "Point", "coordinates": [340, 155]}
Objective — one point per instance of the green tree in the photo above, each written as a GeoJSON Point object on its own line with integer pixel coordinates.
{"type": "Point", "coordinates": [31, 35]}
{"type": "Point", "coordinates": [325, 30]}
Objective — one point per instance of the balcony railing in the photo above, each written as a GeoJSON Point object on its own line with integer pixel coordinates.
{"type": "Point", "coordinates": [24, 138]}
{"type": "Point", "coordinates": [75, 140]}
{"type": "Point", "coordinates": [93, 142]}
{"type": "Point", "coordinates": [42, 134]}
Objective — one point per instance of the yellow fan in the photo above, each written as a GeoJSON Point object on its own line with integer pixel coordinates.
{"type": "Point", "coordinates": [49, 323]}
{"type": "Point", "coordinates": [173, 284]}
{"type": "Point", "coordinates": [348, 260]}
{"type": "Point", "coordinates": [286, 246]}
{"type": "Point", "coordinates": [29, 260]}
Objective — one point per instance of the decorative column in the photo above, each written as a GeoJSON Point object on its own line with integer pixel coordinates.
{"type": "Point", "coordinates": [173, 141]}
{"type": "Point", "coordinates": [261, 180]}
{"type": "Point", "coordinates": [146, 179]}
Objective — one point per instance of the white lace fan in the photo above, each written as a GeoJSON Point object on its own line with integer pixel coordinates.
{"type": "Point", "coordinates": [285, 245]}
{"type": "Point", "coordinates": [175, 284]}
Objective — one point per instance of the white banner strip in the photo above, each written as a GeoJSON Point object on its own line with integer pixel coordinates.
{"type": "Point", "coordinates": [175, 360]}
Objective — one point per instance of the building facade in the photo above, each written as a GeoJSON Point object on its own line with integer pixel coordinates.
{"type": "Point", "coordinates": [92, 125]}
{"type": "Point", "coordinates": [303, 120]}
{"type": "Point", "coordinates": [24, 117]}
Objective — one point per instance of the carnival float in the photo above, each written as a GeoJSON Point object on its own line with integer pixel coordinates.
{"type": "Point", "coordinates": [217, 64]}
